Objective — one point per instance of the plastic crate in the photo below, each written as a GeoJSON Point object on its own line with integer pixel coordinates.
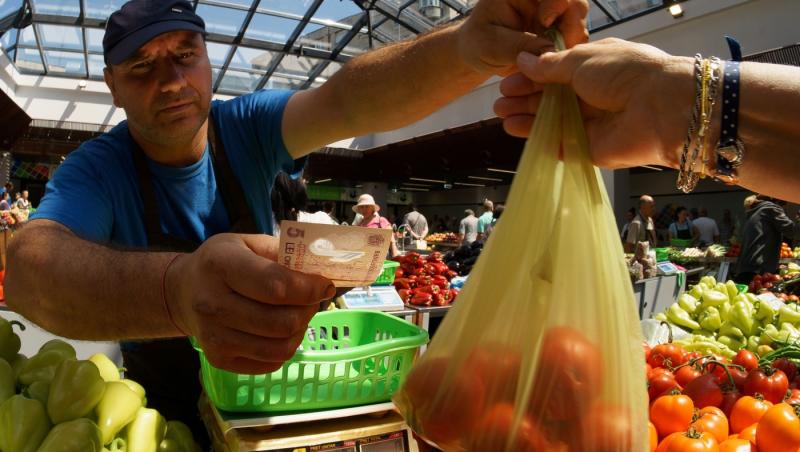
{"type": "Point", "coordinates": [680, 243]}
{"type": "Point", "coordinates": [348, 358]}
{"type": "Point", "coordinates": [386, 278]}
{"type": "Point", "coordinates": [742, 288]}
{"type": "Point", "coordinates": [662, 254]}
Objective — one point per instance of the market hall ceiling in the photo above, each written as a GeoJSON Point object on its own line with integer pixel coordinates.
{"type": "Point", "coordinates": [252, 44]}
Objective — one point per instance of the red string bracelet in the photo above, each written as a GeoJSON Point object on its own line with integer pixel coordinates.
{"type": "Point", "coordinates": [164, 293]}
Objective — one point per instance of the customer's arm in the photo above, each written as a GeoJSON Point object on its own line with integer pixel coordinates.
{"type": "Point", "coordinates": [401, 83]}
{"type": "Point", "coordinates": [248, 312]}
{"type": "Point", "coordinates": [629, 123]}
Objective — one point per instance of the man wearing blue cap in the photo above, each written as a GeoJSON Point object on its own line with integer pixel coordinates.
{"type": "Point", "coordinates": [167, 244]}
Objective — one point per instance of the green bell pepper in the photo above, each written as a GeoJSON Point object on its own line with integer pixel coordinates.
{"type": "Point", "coordinates": [793, 333]}
{"type": "Point", "coordinates": [728, 329]}
{"type": "Point", "coordinates": [42, 366]}
{"type": "Point", "coordinates": [178, 439]}
{"type": "Point", "coordinates": [23, 424]}
{"type": "Point", "coordinates": [696, 292]}
{"type": "Point", "coordinates": [764, 312]}
{"type": "Point", "coordinates": [688, 303]}
{"type": "Point", "coordinates": [39, 390]}
{"type": "Point", "coordinates": [742, 317]}
{"type": "Point", "coordinates": [75, 390]}
{"type": "Point", "coordinates": [146, 431]}
{"type": "Point", "coordinates": [58, 344]}
{"type": "Point", "coordinates": [17, 363]}
{"type": "Point", "coordinates": [77, 435]}
{"type": "Point", "coordinates": [723, 289]}
{"type": "Point", "coordinates": [677, 316]}
{"type": "Point", "coordinates": [732, 343]}
{"type": "Point", "coordinates": [9, 341]}
{"type": "Point", "coordinates": [753, 343]}
{"type": "Point", "coordinates": [108, 370]}
{"type": "Point", "coordinates": [771, 334]}
{"type": "Point", "coordinates": [8, 384]}
{"type": "Point", "coordinates": [725, 311]}
{"type": "Point", "coordinates": [137, 388]}
{"type": "Point", "coordinates": [710, 319]}
{"type": "Point", "coordinates": [118, 445]}
{"type": "Point", "coordinates": [789, 313]}
{"type": "Point", "coordinates": [713, 298]}
{"type": "Point", "coordinates": [116, 409]}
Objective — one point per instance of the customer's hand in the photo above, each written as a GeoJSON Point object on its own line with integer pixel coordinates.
{"type": "Point", "coordinates": [248, 312]}
{"type": "Point", "coordinates": [637, 100]}
{"type": "Point", "coordinates": [498, 30]}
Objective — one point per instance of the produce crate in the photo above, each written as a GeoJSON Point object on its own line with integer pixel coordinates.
{"type": "Point", "coordinates": [348, 358]}
{"type": "Point", "coordinates": [386, 278]}
{"type": "Point", "coordinates": [742, 288]}
{"type": "Point", "coordinates": [680, 243]}
{"type": "Point", "coordinates": [662, 254]}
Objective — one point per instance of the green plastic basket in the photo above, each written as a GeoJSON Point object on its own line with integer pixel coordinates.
{"type": "Point", "coordinates": [662, 254]}
{"type": "Point", "coordinates": [348, 358]}
{"type": "Point", "coordinates": [742, 288]}
{"type": "Point", "coordinates": [680, 243]}
{"type": "Point", "coordinates": [386, 278]}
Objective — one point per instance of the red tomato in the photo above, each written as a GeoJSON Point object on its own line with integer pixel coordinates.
{"type": "Point", "coordinates": [779, 429]}
{"type": "Point", "coordinates": [606, 428]}
{"type": "Point", "coordinates": [746, 359]}
{"type": "Point", "coordinates": [717, 367]}
{"type": "Point", "coordinates": [661, 385]}
{"type": "Point", "coordinates": [667, 355]}
{"type": "Point", "coordinates": [444, 420]}
{"type": "Point", "coordinates": [647, 349]}
{"type": "Point", "coordinates": [769, 382]}
{"type": "Point", "coordinates": [660, 371]}
{"type": "Point", "coordinates": [570, 374]}
{"type": "Point", "coordinates": [729, 399]}
{"type": "Point", "coordinates": [495, 429]}
{"type": "Point", "coordinates": [686, 374]}
{"type": "Point", "coordinates": [787, 367]}
{"type": "Point", "coordinates": [792, 397]}
{"type": "Point", "coordinates": [704, 391]}
{"type": "Point", "coordinates": [498, 366]}
{"type": "Point", "coordinates": [739, 377]}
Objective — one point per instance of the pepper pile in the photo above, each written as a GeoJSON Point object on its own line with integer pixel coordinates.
{"type": "Point", "coordinates": [723, 321]}
{"type": "Point", "coordinates": [424, 281]}
{"type": "Point", "coordinates": [704, 403]}
{"type": "Point", "coordinates": [54, 402]}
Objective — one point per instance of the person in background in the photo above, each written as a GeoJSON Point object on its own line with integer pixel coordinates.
{"type": "Point", "coordinates": [694, 214]}
{"type": "Point", "coordinates": [767, 226]}
{"type": "Point", "coordinates": [329, 208]}
{"type": "Point", "coordinates": [5, 200]}
{"type": "Point", "coordinates": [486, 219]}
{"type": "Point", "coordinates": [709, 232]}
{"type": "Point", "coordinates": [498, 210]}
{"type": "Point", "coordinates": [727, 227]}
{"type": "Point", "coordinates": [683, 228]}
{"type": "Point", "coordinates": [370, 218]}
{"type": "Point", "coordinates": [630, 214]}
{"type": "Point", "coordinates": [416, 224]}
{"type": "Point", "coordinates": [642, 228]}
{"type": "Point", "coordinates": [468, 228]}
{"type": "Point", "coordinates": [17, 197]}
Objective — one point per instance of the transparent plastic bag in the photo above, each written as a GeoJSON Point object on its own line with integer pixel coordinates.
{"type": "Point", "coordinates": [542, 350]}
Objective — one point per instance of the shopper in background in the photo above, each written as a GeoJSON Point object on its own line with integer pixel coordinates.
{"type": "Point", "coordinates": [727, 227]}
{"type": "Point", "coordinates": [486, 219]}
{"type": "Point", "coordinates": [498, 211]}
{"type": "Point", "coordinates": [709, 232]}
{"type": "Point", "coordinates": [642, 228]}
{"type": "Point", "coordinates": [767, 226]}
{"type": "Point", "coordinates": [416, 224]}
{"type": "Point", "coordinates": [329, 208]}
{"type": "Point", "coordinates": [630, 214]}
{"type": "Point", "coordinates": [170, 238]}
{"type": "Point", "coordinates": [24, 202]}
{"type": "Point", "coordinates": [370, 218]}
{"type": "Point", "coordinates": [468, 228]}
{"type": "Point", "coordinates": [683, 228]}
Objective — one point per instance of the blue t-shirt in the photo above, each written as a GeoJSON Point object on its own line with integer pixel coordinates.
{"type": "Point", "coordinates": [95, 192]}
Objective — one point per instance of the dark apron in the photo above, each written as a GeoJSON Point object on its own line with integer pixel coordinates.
{"type": "Point", "coordinates": [684, 234]}
{"type": "Point", "coordinates": [169, 368]}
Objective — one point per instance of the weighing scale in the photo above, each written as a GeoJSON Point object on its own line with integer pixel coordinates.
{"type": "Point", "coordinates": [369, 428]}
{"type": "Point", "coordinates": [666, 268]}
{"type": "Point", "coordinates": [380, 298]}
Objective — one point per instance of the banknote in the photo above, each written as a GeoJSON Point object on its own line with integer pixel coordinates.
{"type": "Point", "coordinates": [349, 256]}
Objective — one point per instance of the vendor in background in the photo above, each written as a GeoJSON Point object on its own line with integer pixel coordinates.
{"type": "Point", "coordinates": [171, 239]}
{"type": "Point", "coordinates": [23, 202]}
{"type": "Point", "coordinates": [642, 228]}
{"type": "Point", "coordinates": [767, 226]}
{"type": "Point", "coordinates": [486, 219]}
{"type": "Point", "coordinates": [709, 232]}
{"type": "Point", "coordinates": [370, 218]}
{"type": "Point", "coordinates": [630, 214]}
{"type": "Point", "coordinates": [416, 224]}
{"type": "Point", "coordinates": [683, 228]}
{"type": "Point", "coordinates": [468, 228]}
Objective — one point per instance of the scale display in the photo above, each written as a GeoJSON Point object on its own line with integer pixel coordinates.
{"type": "Point", "coordinates": [666, 268]}
{"type": "Point", "coordinates": [377, 298]}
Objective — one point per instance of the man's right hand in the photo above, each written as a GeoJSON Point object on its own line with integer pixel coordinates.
{"type": "Point", "coordinates": [248, 312]}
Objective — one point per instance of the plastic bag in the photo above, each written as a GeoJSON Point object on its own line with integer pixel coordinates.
{"type": "Point", "coordinates": [543, 350]}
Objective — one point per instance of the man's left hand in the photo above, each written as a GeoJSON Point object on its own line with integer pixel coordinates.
{"type": "Point", "coordinates": [498, 30]}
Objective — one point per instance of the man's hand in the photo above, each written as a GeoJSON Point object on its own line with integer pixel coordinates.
{"type": "Point", "coordinates": [636, 99]}
{"type": "Point", "coordinates": [248, 312]}
{"type": "Point", "coordinates": [498, 30]}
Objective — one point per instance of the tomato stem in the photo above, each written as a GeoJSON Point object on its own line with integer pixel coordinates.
{"type": "Point", "coordinates": [22, 325]}
{"type": "Point", "coordinates": [669, 329]}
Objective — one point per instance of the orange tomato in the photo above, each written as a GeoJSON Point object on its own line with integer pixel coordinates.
{"type": "Point", "coordinates": [651, 429]}
{"type": "Point", "coordinates": [749, 433]}
{"type": "Point", "coordinates": [713, 421]}
{"type": "Point", "coordinates": [691, 441]}
{"type": "Point", "coordinates": [736, 445]}
{"type": "Point", "coordinates": [495, 429]}
{"type": "Point", "coordinates": [747, 411]}
{"type": "Point", "coordinates": [671, 413]}
{"type": "Point", "coordinates": [779, 429]}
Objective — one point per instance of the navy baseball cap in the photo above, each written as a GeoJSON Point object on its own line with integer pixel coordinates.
{"type": "Point", "coordinates": [139, 21]}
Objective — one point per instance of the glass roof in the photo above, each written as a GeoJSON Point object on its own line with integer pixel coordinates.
{"type": "Point", "coordinates": [252, 44]}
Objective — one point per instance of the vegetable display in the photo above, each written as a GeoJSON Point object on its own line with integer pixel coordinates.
{"type": "Point", "coordinates": [54, 402]}
{"type": "Point", "coordinates": [424, 281]}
